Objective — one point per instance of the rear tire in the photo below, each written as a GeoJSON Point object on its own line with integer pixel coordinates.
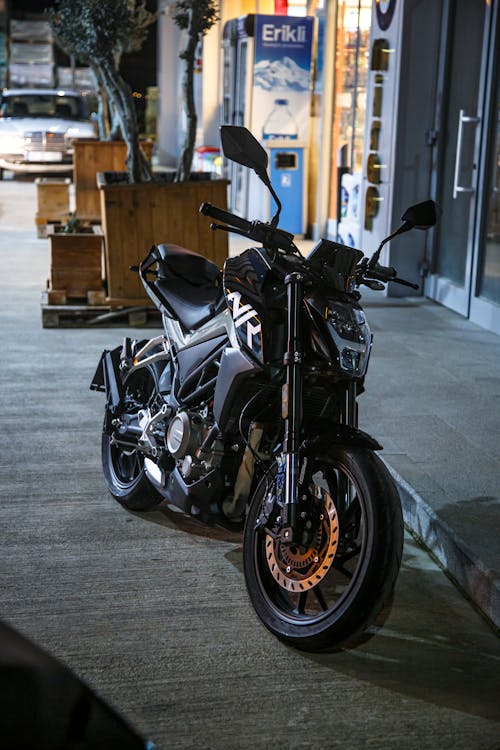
{"type": "Point", "coordinates": [123, 468]}
{"type": "Point", "coordinates": [323, 597]}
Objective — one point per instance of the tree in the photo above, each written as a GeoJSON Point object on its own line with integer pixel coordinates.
{"type": "Point", "coordinates": [98, 32]}
{"type": "Point", "coordinates": [196, 17]}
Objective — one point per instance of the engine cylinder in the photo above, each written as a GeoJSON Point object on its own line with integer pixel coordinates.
{"type": "Point", "coordinates": [183, 435]}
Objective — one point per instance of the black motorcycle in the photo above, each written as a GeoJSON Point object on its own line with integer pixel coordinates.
{"type": "Point", "coordinates": [243, 412]}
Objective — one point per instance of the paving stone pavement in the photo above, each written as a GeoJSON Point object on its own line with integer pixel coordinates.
{"type": "Point", "coordinates": [150, 609]}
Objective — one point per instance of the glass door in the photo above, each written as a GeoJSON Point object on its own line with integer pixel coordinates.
{"type": "Point", "coordinates": [485, 299]}
{"type": "Point", "coordinates": [464, 65]}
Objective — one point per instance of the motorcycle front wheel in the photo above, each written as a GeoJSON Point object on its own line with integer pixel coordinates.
{"type": "Point", "coordinates": [324, 595]}
{"type": "Point", "coordinates": [123, 465]}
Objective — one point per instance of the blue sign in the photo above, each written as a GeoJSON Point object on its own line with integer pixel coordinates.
{"type": "Point", "coordinates": [278, 36]}
{"type": "Point", "coordinates": [282, 77]}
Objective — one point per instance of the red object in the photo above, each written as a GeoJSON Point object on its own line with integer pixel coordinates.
{"type": "Point", "coordinates": [280, 7]}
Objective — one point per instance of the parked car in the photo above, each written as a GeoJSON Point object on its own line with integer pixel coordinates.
{"type": "Point", "coordinates": [37, 127]}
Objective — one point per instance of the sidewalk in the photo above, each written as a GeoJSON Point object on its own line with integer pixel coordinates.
{"type": "Point", "coordinates": [432, 399]}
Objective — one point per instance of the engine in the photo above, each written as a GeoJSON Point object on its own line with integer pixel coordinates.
{"type": "Point", "coordinates": [188, 442]}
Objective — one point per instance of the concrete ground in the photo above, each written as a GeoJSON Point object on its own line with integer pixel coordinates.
{"type": "Point", "coordinates": [151, 609]}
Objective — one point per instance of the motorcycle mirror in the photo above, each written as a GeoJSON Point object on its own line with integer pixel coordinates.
{"type": "Point", "coordinates": [239, 145]}
{"type": "Point", "coordinates": [421, 215]}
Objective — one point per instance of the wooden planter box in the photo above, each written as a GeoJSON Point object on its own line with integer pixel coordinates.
{"type": "Point", "coordinates": [89, 158]}
{"type": "Point", "coordinates": [76, 266]}
{"type": "Point", "coordinates": [52, 194]}
{"type": "Point", "coordinates": [138, 216]}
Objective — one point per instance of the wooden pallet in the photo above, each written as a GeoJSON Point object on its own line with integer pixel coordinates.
{"type": "Point", "coordinates": [86, 316]}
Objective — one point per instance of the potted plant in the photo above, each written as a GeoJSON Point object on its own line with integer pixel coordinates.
{"type": "Point", "coordinates": [98, 34]}
{"type": "Point", "coordinates": [138, 210]}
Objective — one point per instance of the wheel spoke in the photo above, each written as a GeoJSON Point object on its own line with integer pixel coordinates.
{"type": "Point", "coordinates": [127, 463]}
{"type": "Point", "coordinates": [321, 599]}
{"type": "Point", "coordinates": [302, 602]}
{"type": "Point", "coordinates": [347, 573]}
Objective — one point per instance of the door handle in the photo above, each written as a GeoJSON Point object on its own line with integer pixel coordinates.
{"type": "Point", "coordinates": [462, 117]}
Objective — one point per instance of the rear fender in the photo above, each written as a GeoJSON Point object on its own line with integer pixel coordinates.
{"type": "Point", "coordinates": [107, 377]}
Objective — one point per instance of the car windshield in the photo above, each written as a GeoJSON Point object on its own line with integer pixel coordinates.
{"type": "Point", "coordinates": [42, 105]}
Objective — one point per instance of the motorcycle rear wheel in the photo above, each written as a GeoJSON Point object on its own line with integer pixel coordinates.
{"type": "Point", "coordinates": [325, 597]}
{"type": "Point", "coordinates": [123, 467]}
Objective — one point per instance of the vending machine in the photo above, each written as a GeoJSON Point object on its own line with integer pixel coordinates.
{"type": "Point", "coordinates": [267, 88]}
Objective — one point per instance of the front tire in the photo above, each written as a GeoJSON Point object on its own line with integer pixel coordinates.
{"type": "Point", "coordinates": [325, 595]}
{"type": "Point", "coordinates": [123, 467]}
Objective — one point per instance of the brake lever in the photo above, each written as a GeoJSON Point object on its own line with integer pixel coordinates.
{"type": "Point", "coordinates": [232, 230]}
{"type": "Point", "coordinates": [405, 283]}
{"type": "Point", "coordinates": [377, 286]}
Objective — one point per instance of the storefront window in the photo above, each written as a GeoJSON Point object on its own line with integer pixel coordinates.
{"type": "Point", "coordinates": [351, 75]}
{"type": "Point", "coordinates": [490, 275]}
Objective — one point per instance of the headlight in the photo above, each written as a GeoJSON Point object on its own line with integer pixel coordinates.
{"type": "Point", "coordinates": [352, 336]}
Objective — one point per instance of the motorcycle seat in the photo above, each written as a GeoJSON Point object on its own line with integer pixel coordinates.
{"type": "Point", "coordinates": [189, 285]}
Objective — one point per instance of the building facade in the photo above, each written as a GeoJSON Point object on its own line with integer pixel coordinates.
{"type": "Point", "coordinates": [404, 106]}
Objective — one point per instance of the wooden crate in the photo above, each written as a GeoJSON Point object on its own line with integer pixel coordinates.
{"type": "Point", "coordinates": [138, 216]}
{"type": "Point", "coordinates": [75, 266]}
{"type": "Point", "coordinates": [52, 202]}
{"type": "Point", "coordinates": [89, 158]}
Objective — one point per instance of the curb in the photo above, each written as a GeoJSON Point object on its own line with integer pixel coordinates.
{"type": "Point", "coordinates": [480, 584]}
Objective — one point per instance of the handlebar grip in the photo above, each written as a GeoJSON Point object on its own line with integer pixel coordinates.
{"type": "Point", "coordinates": [403, 282]}
{"type": "Point", "coordinates": [225, 216]}
{"type": "Point", "coordinates": [387, 271]}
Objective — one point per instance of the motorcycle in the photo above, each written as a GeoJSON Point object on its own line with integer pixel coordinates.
{"type": "Point", "coordinates": [244, 412]}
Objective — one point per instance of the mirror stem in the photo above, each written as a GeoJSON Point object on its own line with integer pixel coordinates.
{"type": "Point", "coordinates": [403, 228]}
{"type": "Point", "coordinates": [267, 182]}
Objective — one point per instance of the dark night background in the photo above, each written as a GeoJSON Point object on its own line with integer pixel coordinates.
{"type": "Point", "coordinates": [137, 68]}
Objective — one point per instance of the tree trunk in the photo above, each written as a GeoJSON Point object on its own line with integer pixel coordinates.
{"type": "Point", "coordinates": [121, 101]}
{"type": "Point", "coordinates": [102, 106]}
{"type": "Point", "coordinates": [184, 168]}
{"type": "Point", "coordinates": [115, 131]}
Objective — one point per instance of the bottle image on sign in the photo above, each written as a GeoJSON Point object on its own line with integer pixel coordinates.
{"type": "Point", "coordinates": [280, 123]}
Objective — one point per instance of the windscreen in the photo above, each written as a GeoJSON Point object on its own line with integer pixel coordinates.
{"type": "Point", "coordinates": [42, 105]}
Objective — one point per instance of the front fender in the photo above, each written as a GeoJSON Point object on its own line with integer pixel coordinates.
{"type": "Point", "coordinates": [333, 433]}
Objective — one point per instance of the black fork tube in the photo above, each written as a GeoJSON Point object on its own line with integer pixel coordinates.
{"type": "Point", "coordinates": [349, 417]}
{"type": "Point", "coordinates": [292, 403]}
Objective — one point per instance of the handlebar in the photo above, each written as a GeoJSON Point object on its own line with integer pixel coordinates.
{"type": "Point", "coordinates": [274, 238]}
{"type": "Point", "coordinates": [388, 272]}
{"type": "Point", "coordinates": [379, 273]}
{"type": "Point", "coordinates": [266, 235]}
{"type": "Point", "coordinates": [225, 216]}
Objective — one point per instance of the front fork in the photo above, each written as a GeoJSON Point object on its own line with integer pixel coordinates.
{"type": "Point", "coordinates": [292, 411]}
{"type": "Point", "coordinates": [291, 405]}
